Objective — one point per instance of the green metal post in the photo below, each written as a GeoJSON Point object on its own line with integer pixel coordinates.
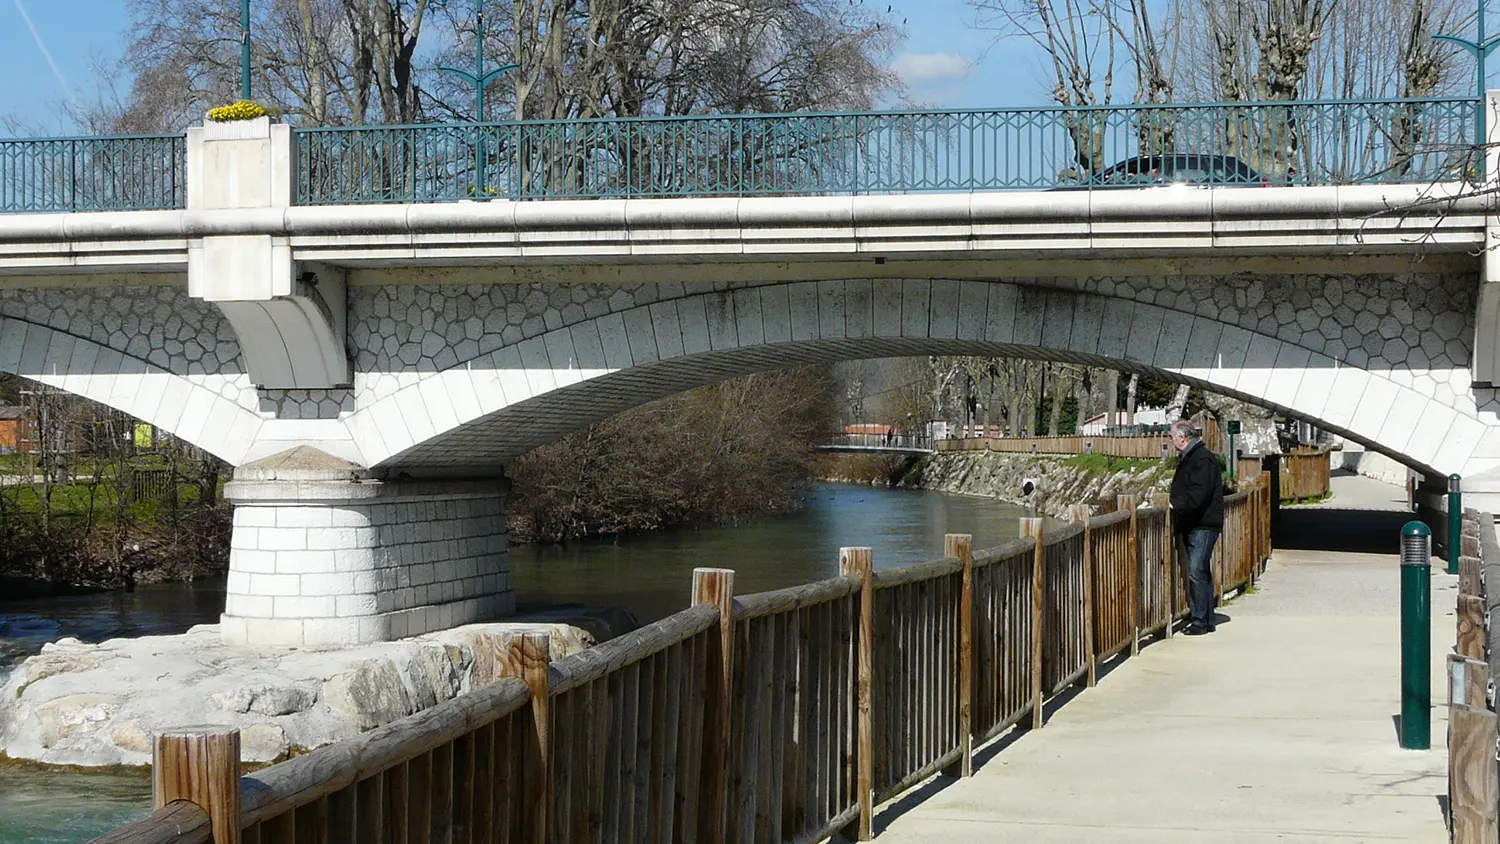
{"type": "Point", "coordinates": [1481, 48]}
{"type": "Point", "coordinates": [479, 101]}
{"type": "Point", "coordinates": [1455, 523]}
{"type": "Point", "coordinates": [1416, 636]}
{"type": "Point", "coordinates": [480, 79]}
{"type": "Point", "coordinates": [244, 49]}
{"type": "Point", "coordinates": [1234, 458]}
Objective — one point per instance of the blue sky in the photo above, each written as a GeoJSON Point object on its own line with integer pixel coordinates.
{"type": "Point", "coordinates": [945, 61]}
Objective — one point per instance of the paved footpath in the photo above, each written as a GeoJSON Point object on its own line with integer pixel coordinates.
{"type": "Point", "coordinates": [1278, 727]}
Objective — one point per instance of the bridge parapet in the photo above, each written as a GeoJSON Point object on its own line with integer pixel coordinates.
{"type": "Point", "coordinates": [1372, 141]}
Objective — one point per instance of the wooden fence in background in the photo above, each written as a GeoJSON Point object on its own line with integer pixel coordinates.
{"type": "Point", "coordinates": [1141, 448]}
{"type": "Point", "coordinates": [1304, 474]}
{"type": "Point", "coordinates": [778, 716]}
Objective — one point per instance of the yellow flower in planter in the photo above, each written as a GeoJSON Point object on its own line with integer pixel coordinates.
{"type": "Point", "coordinates": [242, 110]}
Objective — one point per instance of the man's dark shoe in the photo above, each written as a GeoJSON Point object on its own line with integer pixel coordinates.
{"type": "Point", "coordinates": [1196, 630]}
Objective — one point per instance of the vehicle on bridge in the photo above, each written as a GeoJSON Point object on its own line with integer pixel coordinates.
{"type": "Point", "coordinates": [1174, 169]}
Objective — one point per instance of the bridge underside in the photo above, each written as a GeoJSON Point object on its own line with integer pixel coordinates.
{"type": "Point", "coordinates": [1380, 359]}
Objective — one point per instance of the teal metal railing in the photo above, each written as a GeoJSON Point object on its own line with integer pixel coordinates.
{"type": "Point", "coordinates": [122, 173]}
{"type": "Point", "coordinates": [1290, 143]}
{"type": "Point", "coordinates": [1285, 143]}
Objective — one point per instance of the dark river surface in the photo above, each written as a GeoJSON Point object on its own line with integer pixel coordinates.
{"type": "Point", "coordinates": [650, 574]}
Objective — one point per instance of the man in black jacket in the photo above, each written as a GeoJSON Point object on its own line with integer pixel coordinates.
{"type": "Point", "coordinates": [1197, 519]}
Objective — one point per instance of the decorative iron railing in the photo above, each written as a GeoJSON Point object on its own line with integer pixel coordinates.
{"type": "Point", "coordinates": [122, 173]}
{"type": "Point", "coordinates": [1290, 143]}
{"type": "Point", "coordinates": [1287, 143]}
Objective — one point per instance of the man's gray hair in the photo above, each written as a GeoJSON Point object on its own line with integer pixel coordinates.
{"type": "Point", "coordinates": [1187, 428]}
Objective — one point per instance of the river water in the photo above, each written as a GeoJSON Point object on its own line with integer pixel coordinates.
{"type": "Point", "coordinates": [650, 574]}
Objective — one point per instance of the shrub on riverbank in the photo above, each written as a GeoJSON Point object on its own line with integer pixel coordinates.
{"type": "Point", "coordinates": [736, 448]}
{"type": "Point", "coordinates": [864, 469]}
{"type": "Point", "coordinates": [99, 499]}
{"type": "Point", "coordinates": [92, 533]}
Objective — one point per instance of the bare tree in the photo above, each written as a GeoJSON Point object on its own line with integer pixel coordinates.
{"type": "Point", "coordinates": [319, 62]}
{"type": "Point", "coordinates": [1244, 50]}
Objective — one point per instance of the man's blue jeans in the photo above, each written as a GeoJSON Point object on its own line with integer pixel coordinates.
{"type": "Point", "coordinates": [1200, 554]}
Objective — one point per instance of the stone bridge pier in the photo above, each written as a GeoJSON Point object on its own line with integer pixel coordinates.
{"type": "Point", "coordinates": [322, 553]}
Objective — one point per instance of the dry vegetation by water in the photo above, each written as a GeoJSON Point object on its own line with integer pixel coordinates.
{"type": "Point", "coordinates": [737, 448]}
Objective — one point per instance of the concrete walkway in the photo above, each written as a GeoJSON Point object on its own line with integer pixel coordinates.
{"type": "Point", "coordinates": [1279, 727]}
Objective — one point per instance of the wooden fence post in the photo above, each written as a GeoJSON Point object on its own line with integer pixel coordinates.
{"type": "Point", "coordinates": [530, 654]}
{"type": "Point", "coordinates": [1471, 779]}
{"type": "Point", "coordinates": [861, 561]}
{"type": "Point", "coordinates": [1471, 637]}
{"type": "Point", "coordinates": [961, 545]}
{"type": "Point", "coordinates": [1032, 528]}
{"type": "Point", "coordinates": [1132, 547]}
{"type": "Point", "coordinates": [1079, 513]}
{"type": "Point", "coordinates": [716, 587]}
{"type": "Point", "coordinates": [1163, 502]}
{"type": "Point", "coordinates": [1268, 506]}
{"type": "Point", "coordinates": [1469, 580]}
{"type": "Point", "coordinates": [200, 765]}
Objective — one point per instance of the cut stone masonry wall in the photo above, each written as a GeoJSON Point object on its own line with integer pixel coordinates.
{"type": "Point", "coordinates": [323, 557]}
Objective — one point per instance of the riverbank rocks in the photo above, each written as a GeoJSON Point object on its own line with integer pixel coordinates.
{"type": "Point", "coordinates": [1062, 482]}
{"type": "Point", "coordinates": [100, 704]}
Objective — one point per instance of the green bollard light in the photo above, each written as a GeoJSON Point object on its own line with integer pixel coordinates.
{"type": "Point", "coordinates": [1455, 522]}
{"type": "Point", "coordinates": [1416, 636]}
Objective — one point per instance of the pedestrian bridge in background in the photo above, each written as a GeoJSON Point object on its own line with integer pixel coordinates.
{"type": "Point", "coordinates": [879, 444]}
{"type": "Point", "coordinates": [333, 312]}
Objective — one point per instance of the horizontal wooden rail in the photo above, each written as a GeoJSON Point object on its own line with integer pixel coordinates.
{"type": "Point", "coordinates": [916, 572]}
{"type": "Point", "coordinates": [280, 789]}
{"type": "Point", "coordinates": [794, 597]}
{"type": "Point", "coordinates": [783, 716]}
{"type": "Point", "coordinates": [179, 822]}
{"type": "Point", "coordinates": [608, 657]}
{"type": "Point", "coordinates": [1002, 552]}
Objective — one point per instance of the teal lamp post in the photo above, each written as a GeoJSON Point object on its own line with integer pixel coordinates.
{"type": "Point", "coordinates": [1416, 637]}
{"type": "Point", "coordinates": [480, 79]}
{"type": "Point", "coordinates": [1481, 48]}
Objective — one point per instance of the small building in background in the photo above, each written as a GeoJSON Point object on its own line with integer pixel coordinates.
{"type": "Point", "coordinates": [15, 429]}
{"type": "Point", "coordinates": [1148, 420]}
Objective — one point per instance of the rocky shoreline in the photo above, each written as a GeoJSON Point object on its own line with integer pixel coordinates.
{"type": "Point", "coordinates": [1060, 482]}
{"type": "Point", "coordinates": [92, 705]}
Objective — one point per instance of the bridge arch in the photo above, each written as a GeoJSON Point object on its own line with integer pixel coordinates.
{"type": "Point", "coordinates": [186, 407]}
{"type": "Point", "coordinates": [1385, 364]}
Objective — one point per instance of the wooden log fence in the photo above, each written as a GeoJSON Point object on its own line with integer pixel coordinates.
{"type": "Point", "coordinates": [1473, 743]}
{"type": "Point", "coordinates": [782, 716]}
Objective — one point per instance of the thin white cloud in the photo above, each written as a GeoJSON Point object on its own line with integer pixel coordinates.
{"type": "Point", "coordinates": [46, 53]}
{"type": "Point", "coordinates": [917, 68]}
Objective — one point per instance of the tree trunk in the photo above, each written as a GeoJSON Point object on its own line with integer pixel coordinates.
{"type": "Point", "coordinates": [1080, 400]}
{"type": "Point", "coordinates": [1130, 390]}
{"type": "Point", "coordinates": [1111, 397]}
{"type": "Point", "coordinates": [1059, 388]}
{"type": "Point", "coordinates": [1178, 403]}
